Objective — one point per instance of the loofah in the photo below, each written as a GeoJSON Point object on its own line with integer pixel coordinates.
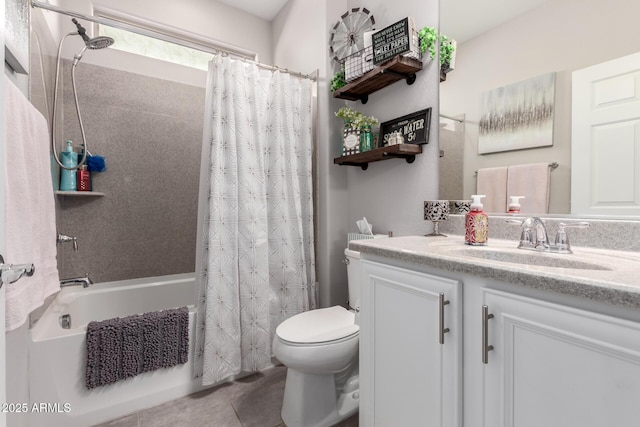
{"type": "Point", "coordinates": [96, 163]}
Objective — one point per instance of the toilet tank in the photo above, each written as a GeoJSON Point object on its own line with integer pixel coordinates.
{"type": "Point", "coordinates": [354, 277]}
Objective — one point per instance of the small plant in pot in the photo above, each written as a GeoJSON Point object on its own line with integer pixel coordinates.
{"type": "Point", "coordinates": [428, 38]}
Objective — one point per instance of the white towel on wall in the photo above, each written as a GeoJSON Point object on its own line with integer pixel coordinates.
{"type": "Point", "coordinates": [532, 181]}
{"type": "Point", "coordinates": [30, 228]}
{"type": "Point", "coordinates": [492, 182]}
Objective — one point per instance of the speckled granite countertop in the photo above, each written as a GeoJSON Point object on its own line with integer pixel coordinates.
{"type": "Point", "coordinates": [601, 275]}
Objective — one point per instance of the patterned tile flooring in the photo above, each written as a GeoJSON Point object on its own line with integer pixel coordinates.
{"type": "Point", "coordinates": [253, 401]}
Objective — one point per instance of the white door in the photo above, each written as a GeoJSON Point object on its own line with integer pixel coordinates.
{"type": "Point", "coordinates": [556, 366]}
{"type": "Point", "coordinates": [605, 140]}
{"type": "Point", "coordinates": [407, 376]}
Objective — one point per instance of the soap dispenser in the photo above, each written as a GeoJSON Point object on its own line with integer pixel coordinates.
{"type": "Point", "coordinates": [69, 159]}
{"type": "Point", "coordinates": [476, 223]}
{"type": "Point", "coordinates": [514, 204]}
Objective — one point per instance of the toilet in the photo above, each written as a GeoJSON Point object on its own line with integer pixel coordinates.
{"type": "Point", "coordinates": [320, 349]}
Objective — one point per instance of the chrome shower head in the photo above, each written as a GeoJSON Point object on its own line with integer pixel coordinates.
{"type": "Point", "coordinates": [100, 42]}
{"type": "Point", "coordinates": [95, 43]}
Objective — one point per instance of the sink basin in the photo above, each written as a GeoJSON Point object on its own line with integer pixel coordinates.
{"type": "Point", "coordinates": [518, 256]}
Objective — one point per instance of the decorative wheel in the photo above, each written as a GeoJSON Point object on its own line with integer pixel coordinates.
{"type": "Point", "coordinates": [347, 36]}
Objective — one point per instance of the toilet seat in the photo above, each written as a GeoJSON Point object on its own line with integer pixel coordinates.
{"type": "Point", "coordinates": [320, 326]}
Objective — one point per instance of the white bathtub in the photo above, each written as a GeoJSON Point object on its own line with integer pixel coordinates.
{"type": "Point", "coordinates": [57, 356]}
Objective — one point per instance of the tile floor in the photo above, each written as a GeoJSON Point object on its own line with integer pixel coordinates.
{"type": "Point", "coordinates": [253, 401]}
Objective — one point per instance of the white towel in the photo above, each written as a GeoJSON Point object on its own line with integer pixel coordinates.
{"type": "Point", "coordinates": [531, 181]}
{"type": "Point", "coordinates": [492, 182]}
{"type": "Point", "coordinates": [30, 228]}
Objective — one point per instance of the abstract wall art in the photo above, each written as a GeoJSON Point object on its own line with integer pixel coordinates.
{"type": "Point", "coordinates": [517, 116]}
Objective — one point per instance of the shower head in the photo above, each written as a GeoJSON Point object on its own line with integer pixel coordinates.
{"type": "Point", "coordinates": [95, 43]}
{"type": "Point", "coordinates": [100, 42]}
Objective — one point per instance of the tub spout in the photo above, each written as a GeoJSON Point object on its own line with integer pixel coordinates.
{"type": "Point", "coordinates": [75, 281]}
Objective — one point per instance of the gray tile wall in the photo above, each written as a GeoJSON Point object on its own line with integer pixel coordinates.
{"type": "Point", "coordinates": [150, 132]}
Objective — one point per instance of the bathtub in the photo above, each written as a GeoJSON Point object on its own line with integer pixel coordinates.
{"type": "Point", "coordinates": [57, 356]}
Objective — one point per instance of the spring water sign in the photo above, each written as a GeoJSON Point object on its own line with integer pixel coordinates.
{"type": "Point", "coordinates": [413, 127]}
{"type": "Point", "coordinates": [391, 41]}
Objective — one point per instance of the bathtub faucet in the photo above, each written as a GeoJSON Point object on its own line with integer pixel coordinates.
{"type": "Point", "coordinates": [75, 281]}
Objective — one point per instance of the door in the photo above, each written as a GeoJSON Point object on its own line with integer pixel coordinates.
{"type": "Point", "coordinates": [556, 366]}
{"type": "Point", "coordinates": [605, 140]}
{"type": "Point", "coordinates": [410, 367]}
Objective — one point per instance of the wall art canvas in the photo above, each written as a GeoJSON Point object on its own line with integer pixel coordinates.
{"type": "Point", "coordinates": [517, 116]}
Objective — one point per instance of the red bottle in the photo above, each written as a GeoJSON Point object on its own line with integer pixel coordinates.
{"type": "Point", "coordinates": [476, 223]}
{"type": "Point", "coordinates": [84, 178]}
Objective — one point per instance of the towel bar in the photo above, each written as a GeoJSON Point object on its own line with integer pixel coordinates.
{"type": "Point", "coordinates": [552, 165]}
{"type": "Point", "coordinates": [13, 272]}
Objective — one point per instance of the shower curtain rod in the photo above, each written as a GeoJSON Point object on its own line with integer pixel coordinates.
{"type": "Point", "coordinates": [241, 53]}
{"type": "Point", "coordinates": [444, 116]}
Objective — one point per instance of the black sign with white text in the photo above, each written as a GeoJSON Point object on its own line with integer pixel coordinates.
{"type": "Point", "coordinates": [391, 41]}
{"type": "Point", "coordinates": [414, 128]}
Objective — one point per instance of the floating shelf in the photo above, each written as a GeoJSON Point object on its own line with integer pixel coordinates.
{"type": "Point", "coordinates": [398, 151]}
{"type": "Point", "coordinates": [78, 193]}
{"type": "Point", "coordinates": [398, 68]}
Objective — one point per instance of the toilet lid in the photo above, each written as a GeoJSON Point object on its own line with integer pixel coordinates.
{"type": "Point", "coordinates": [321, 325]}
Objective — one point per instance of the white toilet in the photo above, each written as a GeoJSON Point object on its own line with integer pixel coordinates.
{"type": "Point", "coordinates": [320, 350]}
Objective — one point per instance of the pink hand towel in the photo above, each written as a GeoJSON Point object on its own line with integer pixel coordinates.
{"type": "Point", "coordinates": [531, 181]}
{"type": "Point", "coordinates": [492, 182]}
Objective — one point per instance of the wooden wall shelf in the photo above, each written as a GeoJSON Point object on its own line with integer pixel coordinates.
{"type": "Point", "coordinates": [398, 68]}
{"type": "Point", "coordinates": [402, 151]}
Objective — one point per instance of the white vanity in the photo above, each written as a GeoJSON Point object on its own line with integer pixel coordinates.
{"type": "Point", "coordinates": [493, 336]}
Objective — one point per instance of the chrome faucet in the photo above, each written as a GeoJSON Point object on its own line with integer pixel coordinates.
{"type": "Point", "coordinates": [534, 235]}
{"type": "Point", "coordinates": [62, 238]}
{"type": "Point", "coordinates": [76, 281]}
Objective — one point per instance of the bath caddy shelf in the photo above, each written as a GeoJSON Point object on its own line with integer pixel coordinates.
{"type": "Point", "coordinates": [402, 151]}
{"type": "Point", "coordinates": [398, 68]}
{"type": "Point", "coordinates": [78, 193]}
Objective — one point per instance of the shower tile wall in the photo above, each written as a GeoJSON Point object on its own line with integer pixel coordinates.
{"type": "Point", "coordinates": [150, 132]}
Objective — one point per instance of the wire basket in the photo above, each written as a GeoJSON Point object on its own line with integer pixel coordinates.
{"type": "Point", "coordinates": [359, 63]}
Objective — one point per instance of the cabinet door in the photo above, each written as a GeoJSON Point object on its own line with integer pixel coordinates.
{"type": "Point", "coordinates": [556, 366]}
{"type": "Point", "coordinates": [408, 378]}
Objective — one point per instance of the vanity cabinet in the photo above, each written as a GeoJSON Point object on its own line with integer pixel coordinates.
{"type": "Point", "coordinates": [553, 365]}
{"type": "Point", "coordinates": [551, 360]}
{"type": "Point", "coordinates": [410, 348]}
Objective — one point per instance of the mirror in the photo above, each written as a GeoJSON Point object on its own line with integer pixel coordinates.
{"type": "Point", "coordinates": [501, 42]}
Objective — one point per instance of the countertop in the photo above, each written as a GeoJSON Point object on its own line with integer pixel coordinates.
{"type": "Point", "coordinates": [617, 281]}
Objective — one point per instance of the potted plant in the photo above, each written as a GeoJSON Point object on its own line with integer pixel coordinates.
{"type": "Point", "coordinates": [428, 37]}
{"type": "Point", "coordinates": [338, 80]}
{"type": "Point", "coordinates": [356, 121]}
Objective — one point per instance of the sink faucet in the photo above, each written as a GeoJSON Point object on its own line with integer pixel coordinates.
{"type": "Point", "coordinates": [75, 281]}
{"type": "Point", "coordinates": [534, 235]}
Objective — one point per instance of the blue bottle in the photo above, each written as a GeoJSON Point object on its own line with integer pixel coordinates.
{"type": "Point", "coordinates": [68, 158]}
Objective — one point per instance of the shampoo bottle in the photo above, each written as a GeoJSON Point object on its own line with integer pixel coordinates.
{"type": "Point", "coordinates": [476, 223]}
{"type": "Point", "coordinates": [68, 158]}
{"type": "Point", "coordinates": [514, 204]}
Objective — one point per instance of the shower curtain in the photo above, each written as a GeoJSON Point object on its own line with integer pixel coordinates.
{"type": "Point", "coordinates": [255, 258]}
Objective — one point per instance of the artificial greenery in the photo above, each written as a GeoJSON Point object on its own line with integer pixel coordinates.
{"type": "Point", "coordinates": [338, 81]}
{"type": "Point", "coordinates": [428, 37]}
{"type": "Point", "coordinates": [356, 118]}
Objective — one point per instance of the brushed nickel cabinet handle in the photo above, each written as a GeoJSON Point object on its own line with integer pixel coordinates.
{"type": "Point", "coordinates": [486, 348]}
{"type": "Point", "coordinates": [443, 330]}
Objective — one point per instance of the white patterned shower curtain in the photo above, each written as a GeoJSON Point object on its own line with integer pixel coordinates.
{"type": "Point", "coordinates": [255, 260]}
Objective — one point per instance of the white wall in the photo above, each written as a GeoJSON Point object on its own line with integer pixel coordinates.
{"type": "Point", "coordinates": [391, 193]}
{"type": "Point", "coordinates": [561, 36]}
